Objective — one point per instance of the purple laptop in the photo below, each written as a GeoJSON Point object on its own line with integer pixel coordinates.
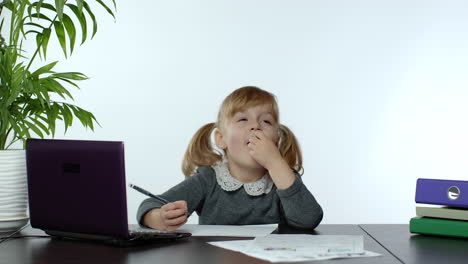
{"type": "Point", "coordinates": [77, 190]}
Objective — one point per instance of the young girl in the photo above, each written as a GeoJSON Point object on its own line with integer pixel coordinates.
{"type": "Point", "coordinates": [255, 180]}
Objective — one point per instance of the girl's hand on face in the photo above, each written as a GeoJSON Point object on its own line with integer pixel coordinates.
{"type": "Point", "coordinates": [173, 215]}
{"type": "Point", "coordinates": [263, 149]}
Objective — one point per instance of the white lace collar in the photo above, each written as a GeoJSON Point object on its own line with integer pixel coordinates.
{"type": "Point", "coordinates": [229, 183]}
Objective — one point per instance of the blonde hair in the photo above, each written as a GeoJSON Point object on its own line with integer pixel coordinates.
{"type": "Point", "coordinates": [200, 151]}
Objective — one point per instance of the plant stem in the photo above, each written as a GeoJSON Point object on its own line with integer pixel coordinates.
{"type": "Point", "coordinates": [11, 25]}
{"type": "Point", "coordinates": [4, 138]}
{"type": "Point", "coordinates": [36, 52]}
{"type": "Point", "coordinates": [2, 142]}
{"type": "Point", "coordinates": [8, 133]}
{"type": "Point", "coordinates": [39, 47]}
{"type": "Point", "coordinates": [11, 143]}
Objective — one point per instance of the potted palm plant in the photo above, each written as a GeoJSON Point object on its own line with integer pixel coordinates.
{"type": "Point", "coordinates": [34, 98]}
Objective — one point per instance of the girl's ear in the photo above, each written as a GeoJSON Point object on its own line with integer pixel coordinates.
{"type": "Point", "coordinates": [219, 140]}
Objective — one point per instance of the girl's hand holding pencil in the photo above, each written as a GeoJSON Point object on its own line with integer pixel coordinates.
{"type": "Point", "coordinates": [169, 217]}
{"type": "Point", "coordinates": [173, 215]}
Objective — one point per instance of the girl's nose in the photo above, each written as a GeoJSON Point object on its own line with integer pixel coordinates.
{"type": "Point", "coordinates": [255, 126]}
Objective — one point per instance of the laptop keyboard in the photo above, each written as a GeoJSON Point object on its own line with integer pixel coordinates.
{"type": "Point", "coordinates": [142, 232]}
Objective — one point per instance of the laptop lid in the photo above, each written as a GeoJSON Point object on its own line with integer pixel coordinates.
{"type": "Point", "coordinates": [77, 187]}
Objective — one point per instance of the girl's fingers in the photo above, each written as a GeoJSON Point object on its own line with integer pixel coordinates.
{"type": "Point", "coordinates": [169, 206]}
{"type": "Point", "coordinates": [180, 224]}
{"type": "Point", "coordinates": [259, 134]}
{"type": "Point", "coordinates": [180, 204]}
{"type": "Point", "coordinates": [251, 146]}
{"type": "Point", "coordinates": [174, 227]}
{"type": "Point", "coordinates": [174, 213]}
{"type": "Point", "coordinates": [175, 205]}
{"type": "Point", "coordinates": [176, 221]}
{"type": "Point", "coordinates": [253, 139]}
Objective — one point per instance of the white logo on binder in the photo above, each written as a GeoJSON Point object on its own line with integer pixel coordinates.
{"type": "Point", "coordinates": [453, 193]}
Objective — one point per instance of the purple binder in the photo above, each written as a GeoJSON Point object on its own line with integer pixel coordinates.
{"type": "Point", "coordinates": [442, 192]}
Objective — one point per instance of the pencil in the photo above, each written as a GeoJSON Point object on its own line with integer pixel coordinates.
{"type": "Point", "coordinates": [145, 192]}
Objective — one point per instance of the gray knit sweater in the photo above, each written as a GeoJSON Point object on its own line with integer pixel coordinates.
{"type": "Point", "coordinates": [294, 206]}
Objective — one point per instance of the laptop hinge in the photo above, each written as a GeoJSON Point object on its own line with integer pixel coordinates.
{"type": "Point", "coordinates": [78, 235]}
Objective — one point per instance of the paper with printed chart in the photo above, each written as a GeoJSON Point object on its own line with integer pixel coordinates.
{"type": "Point", "coordinates": [294, 248]}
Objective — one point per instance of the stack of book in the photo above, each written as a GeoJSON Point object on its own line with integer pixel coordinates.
{"type": "Point", "coordinates": [450, 218]}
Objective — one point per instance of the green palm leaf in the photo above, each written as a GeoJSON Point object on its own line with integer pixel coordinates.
{"type": "Point", "coordinates": [106, 7]}
{"type": "Point", "coordinates": [79, 4]}
{"type": "Point", "coordinates": [45, 69]}
{"type": "Point", "coordinates": [81, 18]}
{"type": "Point", "coordinates": [26, 94]}
{"type": "Point", "coordinates": [59, 4]}
{"type": "Point", "coordinates": [60, 32]}
{"type": "Point", "coordinates": [70, 27]}
{"type": "Point", "coordinates": [40, 125]}
{"type": "Point", "coordinates": [45, 41]}
{"type": "Point", "coordinates": [67, 116]}
{"type": "Point", "coordinates": [34, 128]}
{"type": "Point", "coordinates": [93, 18]}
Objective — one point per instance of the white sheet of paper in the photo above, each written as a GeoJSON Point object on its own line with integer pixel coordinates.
{"type": "Point", "coordinates": [310, 244]}
{"type": "Point", "coordinates": [294, 248]}
{"type": "Point", "coordinates": [228, 230]}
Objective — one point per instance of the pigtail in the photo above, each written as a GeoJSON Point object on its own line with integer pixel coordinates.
{"type": "Point", "coordinates": [200, 151]}
{"type": "Point", "coordinates": [290, 150]}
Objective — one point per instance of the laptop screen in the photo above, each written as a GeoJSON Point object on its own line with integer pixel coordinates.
{"type": "Point", "coordinates": [77, 186]}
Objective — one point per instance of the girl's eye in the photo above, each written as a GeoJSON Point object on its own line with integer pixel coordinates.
{"type": "Point", "coordinates": [242, 119]}
{"type": "Point", "coordinates": [267, 121]}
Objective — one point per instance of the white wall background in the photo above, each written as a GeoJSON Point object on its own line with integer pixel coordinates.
{"type": "Point", "coordinates": [376, 91]}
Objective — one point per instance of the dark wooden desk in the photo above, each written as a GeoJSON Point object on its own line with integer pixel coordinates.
{"type": "Point", "coordinates": [192, 250]}
{"type": "Point", "coordinates": [419, 249]}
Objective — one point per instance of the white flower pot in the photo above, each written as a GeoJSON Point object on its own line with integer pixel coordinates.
{"type": "Point", "coordinates": [13, 190]}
